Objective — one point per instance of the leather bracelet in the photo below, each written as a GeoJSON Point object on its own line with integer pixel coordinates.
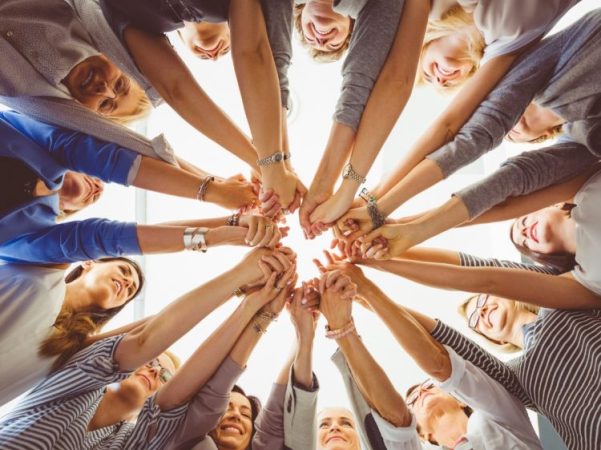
{"type": "Point", "coordinates": [340, 332]}
{"type": "Point", "coordinates": [202, 189]}
{"type": "Point", "coordinates": [194, 239]}
{"type": "Point", "coordinates": [377, 218]}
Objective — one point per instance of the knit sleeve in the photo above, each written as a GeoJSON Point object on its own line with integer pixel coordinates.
{"type": "Point", "coordinates": [475, 261]}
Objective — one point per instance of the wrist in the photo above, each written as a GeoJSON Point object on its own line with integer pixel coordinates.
{"type": "Point", "coordinates": [348, 188]}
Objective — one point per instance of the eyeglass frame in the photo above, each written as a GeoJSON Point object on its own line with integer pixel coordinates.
{"type": "Point", "coordinates": [475, 315]}
{"type": "Point", "coordinates": [424, 386]}
{"type": "Point", "coordinates": [164, 374]}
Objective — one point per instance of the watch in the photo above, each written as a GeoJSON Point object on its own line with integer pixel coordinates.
{"type": "Point", "coordinates": [349, 173]}
{"type": "Point", "coordinates": [274, 158]}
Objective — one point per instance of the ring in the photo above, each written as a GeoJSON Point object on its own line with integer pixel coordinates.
{"type": "Point", "coordinates": [278, 288]}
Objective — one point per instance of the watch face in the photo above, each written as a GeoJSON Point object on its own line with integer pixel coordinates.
{"type": "Point", "coordinates": [277, 157]}
{"type": "Point", "coordinates": [347, 171]}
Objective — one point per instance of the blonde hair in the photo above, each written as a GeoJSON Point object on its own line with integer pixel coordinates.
{"type": "Point", "coordinates": [519, 306]}
{"type": "Point", "coordinates": [453, 20]}
{"type": "Point", "coordinates": [320, 55]}
{"type": "Point", "coordinates": [174, 359]}
{"type": "Point", "coordinates": [142, 109]}
{"type": "Point", "coordinates": [552, 133]}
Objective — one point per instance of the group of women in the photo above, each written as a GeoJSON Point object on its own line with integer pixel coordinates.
{"type": "Point", "coordinates": [76, 72]}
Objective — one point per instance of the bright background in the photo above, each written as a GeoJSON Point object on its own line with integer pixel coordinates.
{"type": "Point", "coordinates": [315, 91]}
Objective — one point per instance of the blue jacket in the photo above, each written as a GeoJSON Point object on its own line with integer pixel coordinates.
{"type": "Point", "coordinates": [29, 233]}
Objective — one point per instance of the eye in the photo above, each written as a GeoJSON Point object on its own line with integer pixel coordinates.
{"type": "Point", "coordinates": [106, 106]}
{"type": "Point", "coordinates": [323, 425]}
{"type": "Point", "coordinates": [346, 423]}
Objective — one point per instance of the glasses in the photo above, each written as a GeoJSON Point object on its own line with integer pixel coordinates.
{"type": "Point", "coordinates": [475, 316]}
{"type": "Point", "coordinates": [164, 374]}
{"type": "Point", "coordinates": [425, 386]}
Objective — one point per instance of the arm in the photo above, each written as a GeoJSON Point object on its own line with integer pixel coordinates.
{"type": "Point", "coordinates": [171, 78]}
{"type": "Point", "coordinates": [549, 291]}
{"type": "Point", "coordinates": [118, 331]}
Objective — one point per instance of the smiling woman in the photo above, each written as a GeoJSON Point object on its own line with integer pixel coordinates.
{"type": "Point", "coordinates": [337, 430]}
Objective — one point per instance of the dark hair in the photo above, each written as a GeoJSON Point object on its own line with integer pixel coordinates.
{"type": "Point", "coordinates": [466, 409]}
{"type": "Point", "coordinates": [255, 406]}
{"type": "Point", "coordinates": [321, 55]}
{"type": "Point", "coordinates": [72, 328]}
{"type": "Point", "coordinates": [562, 262]}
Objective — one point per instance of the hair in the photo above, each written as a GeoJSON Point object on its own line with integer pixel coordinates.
{"type": "Point", "coordinates": [174, 359]}
{"type": "Point", "coordinates": [562, 262]}
{"type": "Point", "coordinates": [320, 55]}
{"type": "Point", "coordinates": [466, 409]}
{"type": "Point", "coordinates": [451, 21]}
{"type": "Point", "coordinates": [519, 306]}
{"type": "Point", "coordinates": [72, 328]}
{"type": "Point", "coordinates": [142, 109]}
{"type": "Point", "coordinates": [552, 133]}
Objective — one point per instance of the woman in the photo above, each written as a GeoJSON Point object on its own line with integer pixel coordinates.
{"type": "Point", "coordinates": [47, 315]}
{"type": "Point", "coordinates": [206, 40]}
{"type": "Point", "coordinates": [98, 416]}
{"type": "Point", "coordinates": [507, 32]}
{"type": "Point", "coordinates": [337, 429]}
{"type": "Point", "coordinates": [542, 75]}
{"type": "Point", "coordinates": [458, 413]}
{"type": "Point", "coordinates": [224, 417]}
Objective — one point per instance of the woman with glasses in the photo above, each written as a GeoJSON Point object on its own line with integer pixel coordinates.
{"type": "Point", "coordinates": [75, 408]}
{"type": "Point", "coordinates": [461, 407]}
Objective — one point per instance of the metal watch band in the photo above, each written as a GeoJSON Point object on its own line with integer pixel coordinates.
{"type": "Point", "coordinates": [349, 173]}
{"type": "Point", "coordinates": [274, 158]}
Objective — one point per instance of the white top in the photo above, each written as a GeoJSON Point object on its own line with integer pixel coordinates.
{"type": "Point", "coordinates": [587, 215]}
{"type": "Point", "coordinates": [398, 438]}
{"type": "Point", "coordinates": [30, 299]}
{"type": "Point", "coordinates": [508, 25]}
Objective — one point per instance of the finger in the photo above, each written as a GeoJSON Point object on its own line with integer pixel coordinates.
{"type": "Point", "coordinates": [253, 225]}
{"type": "Point", "coordinates": [295, 202]}
{"type": "Point", "coordinates": [275, 263]}
{"type": "Point", "coordinates": [319, 265]}
{"type": "Point", "coordinates": [331, 277]}
{"type": "Point", "coordinates": [371, 252]}
{"type": "Point", "coordinates": [259, 234]}
{"type": "Point", "coordinates": [322, 283]}
{"type": "Point", "coordinates": [341, 284]}
{"type": "Point", "coordinates": [265, 269]}
{"type": "Point", "coordinates": [329, 257]}
{"type": "Point", "coordinates": [287, 276]}
{"type": "Point", "coordinates": [268, 202]}
{"type": "Point", "coordinates": [283, 259]}
{"type": "Point", "coordinates": [277, 235]}
{"type": "Point", "coordinates": [270, 284]}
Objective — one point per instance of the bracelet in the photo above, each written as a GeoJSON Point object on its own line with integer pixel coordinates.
{"type": "Point", "coordinates": [267, 315]}
{"type": "Point", "coordinates": [195, 239]}
{"type": "Point", "coordinates": [239, 292]}
{"type": "Point", "coordinates": [340, 332]}
{"type": "Point", "coordinates": [258, 328]}
{"type": "Point", "coordinates": [274, 158]}
{"type": "Point", "coordinates": [367, 196]}
{"type": "Point", "coordinates": [377, 217]}
{"type": "Point", "coordinates": [202, 189]}
{"type": "Point", "coordinates": [349, 173]}
{"type": "Point", "coordinates": [233, 220]}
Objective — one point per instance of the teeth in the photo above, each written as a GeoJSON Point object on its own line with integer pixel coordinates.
{"type": "Point", "coordinates": [445, 71]}
{"type": "Point", "coordinates": [88, 78]}
{"type": "Point", "coordinates": [323, 32]}
{"type": "Point", "coordinates": [232, 430]}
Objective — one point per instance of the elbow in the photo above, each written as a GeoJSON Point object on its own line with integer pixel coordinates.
{"type": "Point", "coordinates": [439, 367]}
{"type": "Point", "coordinates": [396, 413]}
{"type": "Point", "coordinates": [398, 82]}
{"type": "Point", "coordinates": [176, 91]}
{"type": "Point", "coordinates": [256, 53]}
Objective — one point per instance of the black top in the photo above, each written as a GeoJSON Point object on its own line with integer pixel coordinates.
{"type": "Point", "coordinates": [17, 182]}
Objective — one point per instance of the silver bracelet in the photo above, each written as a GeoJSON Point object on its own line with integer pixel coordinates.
{"type": "Point", "coordinates": [195, 239]}
{"type": "Point", "coordinates": [202, 189]}
{"type": "Point", "coordinates": [377, 217]}
{"type": "Point", "coordinates": [274, 158]}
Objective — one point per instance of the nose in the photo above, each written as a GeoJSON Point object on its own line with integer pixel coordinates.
{"type": "Point", "coordinates": [322, 41]}
{"type": "Point", "coordinates": [102, 88]}
{"type": "Point", "coordinates": [442, 81]}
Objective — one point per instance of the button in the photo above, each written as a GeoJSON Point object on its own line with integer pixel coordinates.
{"type": "Point", "coordinates": [9, 34]}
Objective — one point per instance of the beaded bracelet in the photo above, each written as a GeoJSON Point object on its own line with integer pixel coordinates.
{"type": "Point", "coordinates": [233, 220]}
{"type": "Point", "coordinates": [377, 218]}
{"type": "Point", "coordinates": [202, 189]}
{"type": "Point", "coordinates": [340, 332]}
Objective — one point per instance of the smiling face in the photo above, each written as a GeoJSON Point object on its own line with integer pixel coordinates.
{"type": "Point", "coordinates": [236, 426]}
{"type": "Point", "coordinates": [145, 381]}
{"type": "Point", "coordinates": [439, 416]}
{"type": "Point", "coordinates": [444, 61]}
{"type": "Point", "coordinates": [206, 40]}
{"type": "Point", "coordinates": [541, 231]}
{"type": "Point", "coordinates": [536, 124]}
{"type": "Point", "coordinates": [99, 85]}
{"type": "Point", "coordinates": [336, 430]}
{"type": "Point", "coordinates": [494, 319]}
{"type": "Point", "coordinates": [322, 28]}
{"type": "Point", "coordinates": [78, 191]}
{"type": "Point", "coordinates": [108, 284]}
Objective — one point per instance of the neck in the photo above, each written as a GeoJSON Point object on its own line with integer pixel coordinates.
{"type": "Point", "coordinates": [523, 317]}
{"type": "Point", "coordinates": [110, 411]}
{"type": "Point", "coordinates": [76, 297]}
{"type": "Point", "coordinates": [567, 234]}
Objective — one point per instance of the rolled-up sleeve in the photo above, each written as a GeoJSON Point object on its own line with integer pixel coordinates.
{"type": "Point", "coordinates": [72, 242]}
{"type": "Point", "coordinates": [300, 410]}
{"type": "Point", "coordinates": [527, 173]}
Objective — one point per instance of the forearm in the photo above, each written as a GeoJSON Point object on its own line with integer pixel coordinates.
{"type": "Point", "coordinates": [303, 362]}
{"type": "Point", "coordinates": [247, 341]}
{"type": "Point", "coordinates": [451, 214]}
{"type": "Point", "coordinates": [373, 383]}
{"type": "Point", "coordinates": [189, 167]}
{"type": "Point", "coordinates": [176, 319]}
{"type": "Point", "coordinates": [130, 327]}
{"type": "Point", "coordinates": [206, 359]}
{"type": "Point", "coordinates": [170, 238]}
{"type": "Point", "coordinates": [159, 176]}
{"type": "Point", "coordinates": [436, 255]}
{"type": "Point", "coordinates": [428, 354]}
{"type": "Point", "coordinates": [338, 148]}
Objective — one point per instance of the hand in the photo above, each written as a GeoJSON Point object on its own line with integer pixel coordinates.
{"type": "Point", "coordinates": [311, 296]}
{"type": "Point", "coordinates": [285, 286]}
{"type": "Point", "coordinates": [232, 193]}
{"type": "Point", "coordinates": [330, 210]}
{"type": "Point", "coordinates": [354, 224]}
{"type": "Point", "coordinates": [262, 231]}
{"type": "Point", "coordinates": [278, 260]}
{"type": "Point", "coordinates": [303, 319]}
{"type": "Point", "coordinates": [286, 185]}
{"type": "Point", "coordinates": [310, 202]}
{"type": "Point", "coordinates": [270, 203]}
{"type": "Point", "coordinates": [389, 241]}
{"type": "Point", "coordinates": [260, 297]}
{"type": "Point", "coordinates": [337, 291]}
{"type": "Point", "coordinates": [335, 262]}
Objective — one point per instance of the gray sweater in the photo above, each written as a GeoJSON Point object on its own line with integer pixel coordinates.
{"type": "Point", "coordinates": [561, 73]}
{"type": "Point", "coordinates": [376, 22]}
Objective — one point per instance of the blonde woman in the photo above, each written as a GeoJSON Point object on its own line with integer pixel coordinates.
{"type": "Point", "coordinates": [507, 32]}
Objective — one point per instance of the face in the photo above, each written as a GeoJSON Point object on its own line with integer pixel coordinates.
{"type": "Point", "coordinates": [236, 426]}
{"type": "Point", "coordinates": [146, 380]}
{"type": "Point", "coordinates": [536, 123]}
{"type": "Point", "coordinates": [323, 28]}
{"type": "Point", "coordinates": [99, 85]}
{"type": "Point", "coordinates": [336, 430]}
{"type": "Point", "coordinates": [109, 284]}
{"type": "Point", "coordinates": [79, 190]}
{"type": "Point", "coordinates": [491, 316]}
{"type": "Point", "coordinates": [207, 40]}
{"type": "Point", "coordinates": [440, 417]}
{"type": "Point", "coordinates": [443, 61]}
{"type": "Point", "coordinates": [540, 231]}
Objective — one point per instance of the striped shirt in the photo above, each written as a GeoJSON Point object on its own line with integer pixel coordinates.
{"type": "Point", "coordinates": [475, 261]}
{"type": "Point", "coordinates": [558, 375]}
{"type": "Point", "coordinates": [56, 413]}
